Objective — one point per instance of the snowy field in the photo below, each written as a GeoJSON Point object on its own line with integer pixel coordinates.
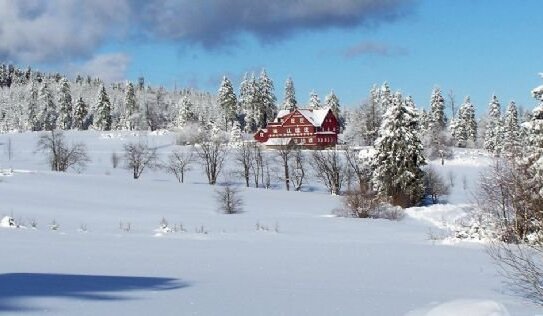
{"type": "Point", "coordinates": [306, 262]}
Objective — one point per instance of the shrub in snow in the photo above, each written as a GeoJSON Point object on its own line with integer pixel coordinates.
{"type": "Point", "coordinates": [139, 156]}
{"type": "Point", "coordinates": [54, 225]}
{"type": "Point", "coordinates": [368, 204]}
{"type": "Point", "coordinates": [62, 156]}
{"type": "Point", "coordinates": [164, 227]}
{"type": "Point", "coordinates": [229, 200]}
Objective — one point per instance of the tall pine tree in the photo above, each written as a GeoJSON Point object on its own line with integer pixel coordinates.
{"type": "Point", "coordinates": [131, 115]}
{"type": "Point", "coordinates": [65, 119]}
{"type": "Point", "coordinates": [268, 109]}
{"type": "Point", "coordinates": [80, 114]}
{"type": "Point", "coordinates": [494, 133]}
{"type": "Point", "coordinates": [399, 155]}
{"type": "Point", "coordinates": [290, 102]}
{"type": "Point", "coordinates": [48, 108]}
{"type": "Point", "coordinates": [511, 131]}
{"type": "Point", "coordinates": [227, 101]}
{"type": "Point", "coordinates": [102, 118]}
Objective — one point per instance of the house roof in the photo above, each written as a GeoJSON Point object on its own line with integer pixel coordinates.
{"type": "Point", "coordinates": [316, 117]}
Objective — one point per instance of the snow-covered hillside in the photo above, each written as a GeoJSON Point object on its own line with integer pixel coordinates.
{"type": "Point", "coordinates": [284, 255]}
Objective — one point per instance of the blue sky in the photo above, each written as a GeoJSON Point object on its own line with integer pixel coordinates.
{"type": "Point", "coordinates": [472, 47]}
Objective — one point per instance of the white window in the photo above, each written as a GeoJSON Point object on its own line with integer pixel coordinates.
{"type": "Point", "coordinates": [275, 130]}
{"type": "Point", "coordinates": [293, 120]}
{"type": "Point", "coordinates": [311, 140]}
{"type": "Point", "coordinates": [288, 130]}
{"type": "Point", "coordinates": [297, 130]}
{"type": "Point", "coordinates": [261, 134]}
{"type": "Point", "coordinates": [306, 129]}
{"type": "Point", "coordinates": [301, 119]}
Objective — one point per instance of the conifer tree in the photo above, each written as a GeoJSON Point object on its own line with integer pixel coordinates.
{"type": "Point", "coordinates": [186, 113]}
{"type": "Point", "coordinates": [385, 97]}
{"type": "Point", "coordinates": [80, 114]}
{"type": "Point", "coordinates": [372, 115]}
{"type": "Point", "coordinates": [235, 135]}
{"type": "Point", "coordinates": [227, 101]}
{"type": "Point", "coordinates": [268, 109]}
{"type": "Point", "coordinates": [534, 145]}
{"type": "Point", "coordinates": [314, 101]}
{"type": "Point", "coordinates": [290, 102]}
{"type": "Point", "coordinates": [131, 115]}
{"type": "Point", "coordinates": [464, 128]}
{"type": "Point", "coordinates": [65, 118]}
{"type": "Point", "coordinates": [438, 121]}
{"type": "Point", "coordinates": [494, 133]}
{"type": "Point", "coordinates": [33, 120]}
{"type": "Point", "coordinates": [103, 118]}
{"type": "Point", "coordinates": [511, 131]}
{"type": "Point", "coordinates": [249, 100]}
{"type": "Point", "coordinates": [48, 108]}
{"type": "Point", "coordinates": [399, 155]}
{"type": "Point", "coordinates": [331, 101]}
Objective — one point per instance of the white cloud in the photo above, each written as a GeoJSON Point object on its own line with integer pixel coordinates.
{"type": "Point", "coordinates": [108, 67]}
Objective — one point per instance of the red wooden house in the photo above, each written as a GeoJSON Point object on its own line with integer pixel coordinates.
{"type": "Point", "coordinates": [304, 127]}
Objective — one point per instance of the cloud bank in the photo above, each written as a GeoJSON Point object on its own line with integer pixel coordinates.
{"type": "Point", "coordinates": [61, 30]}
{"type": "Point", "coordinates": [373, 48]}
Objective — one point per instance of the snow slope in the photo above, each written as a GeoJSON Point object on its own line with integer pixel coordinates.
{"type": "Point", "coordinates": [314, 264]}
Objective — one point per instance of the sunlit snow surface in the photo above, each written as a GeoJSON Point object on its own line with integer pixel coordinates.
{"type": "Point", "coordinates": [302, 260]}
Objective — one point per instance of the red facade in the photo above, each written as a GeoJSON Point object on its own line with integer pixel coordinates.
{"type": "Point", "coordinates": [308, 128]}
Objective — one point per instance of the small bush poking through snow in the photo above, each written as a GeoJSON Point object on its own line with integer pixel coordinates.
{"type": "Point", "coordinates": [368, 205]}
{"type": "Point", "coordinates": [229, 200]}
{"type": "Point", "coordinates": [54, 225]}
{"type": "Point", "coordinates": [125, 227]}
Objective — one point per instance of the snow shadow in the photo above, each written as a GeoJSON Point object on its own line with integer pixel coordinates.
{"type": "Point", "coordinates": [16, 289]}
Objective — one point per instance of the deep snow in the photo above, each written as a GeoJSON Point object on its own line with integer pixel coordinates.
{"type": "Point", "coordinates": [315, 264]}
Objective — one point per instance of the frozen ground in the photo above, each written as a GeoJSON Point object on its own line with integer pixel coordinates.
{"type": "Point", "coordinates": [315, 264]}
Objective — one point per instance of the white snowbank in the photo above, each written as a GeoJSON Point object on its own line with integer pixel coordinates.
{"type": "Point", "coordinates": [8, 222]}
{"type": "Point", "coordinates": [464, 308]}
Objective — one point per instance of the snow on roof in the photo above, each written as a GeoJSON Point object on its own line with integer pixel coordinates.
{"type": "Point", "coordinates": [316, 117]}
{"type": "Point", "coordinates": [278, 141]}
{"type": "Point", "coordinates": [283, 113]}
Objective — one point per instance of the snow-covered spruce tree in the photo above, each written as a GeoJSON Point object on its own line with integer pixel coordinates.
{"type": "Point", "coordinates": [331, 101]}
{"type": "Point", "coordinates": [48, 108]}
{"type": "Point", "coordinates": [227, 101]}
{"type": "Point", "coordinates": [102, 118]}
{"type": "Point", "coordinates": [493, 141]}
{"type": "Point", "coordinates": [385, 97]}
{"type": "Point", "coordinates": [373, 114]}
{"type": "Point", "coordinates": [248, 100]}
{"type": "Point", "coordinates": [437, 119]}
{"type": "Point", "coordinates": [534, 149]}
{"type": "Point", "coordinates": [464, 127]}
{"type": "Point", "coordinates": [65, 118]}
{"type": "Point", "coordinates": [314, 101]}
{"type": "Point", "coordinates": [33, 120]}
{"type": "Point", "coordinates": [131, 115]}
{"type": "Point", "coordinates": [186, 114]}
{"type": "Point", "coordinates": [398, 159]}
{"type": "Point", "coordinates": [268, 109]}
{"type": "Point", "coordinates": [290, 103]}
{"type": "Point", "coordinates": [80, 114]}
{"type": "Point", "coordinates": [511, 131]}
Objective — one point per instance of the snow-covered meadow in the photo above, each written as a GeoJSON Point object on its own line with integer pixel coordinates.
{"type": "Point", "coordinates": [284, 255]}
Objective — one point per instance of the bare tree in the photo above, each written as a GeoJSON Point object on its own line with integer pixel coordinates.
{"type": "Point", "coordinates": [258, 165]}
{"type": "Point", "coordinates": [360, 167]}
{"type": "Point", "coordinates": [522, 267]}
{"type": "Point", "coordinates": [62, 156]}
{"type": "Point", "coordinates": [212, 153]}
{"type": "Point", "coordinates": [284, 151]}
{"type": "Point", "coordinates": [330, 169]}
{"type": "Point", "coordinates": [180, 162]}
{"type": "Point", "coordinates": [297, 169]}
{"type": "Point", "coordinates": [139, 156]}
{"type": "Point", "coordinates": [434, 184]}
{"type": "Point", "coordinates": [229, 199]}
{"type": "Point", "coordinates": [245, 158]}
